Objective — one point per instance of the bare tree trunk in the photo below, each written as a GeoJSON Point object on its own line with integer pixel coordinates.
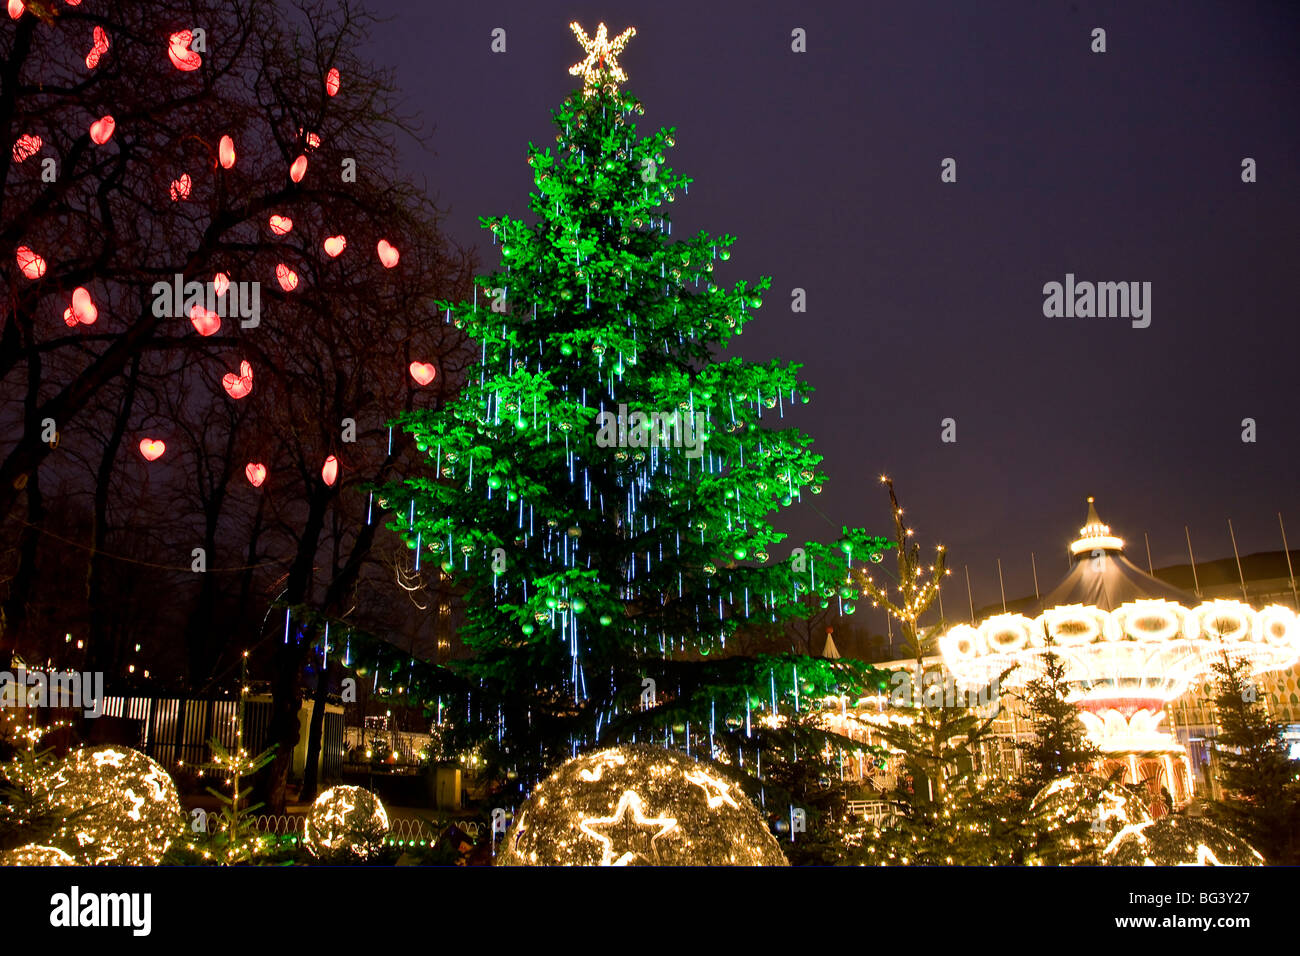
{"type": "Point", "coordinates": [315, 733]}
{"type": "Point", "coordinates": [101, 650]}
{"type": "Point", "coordinates": [290, 656]}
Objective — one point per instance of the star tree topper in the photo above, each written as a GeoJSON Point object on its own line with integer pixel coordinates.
{"type": "Point", "coordinates": [602, 57]}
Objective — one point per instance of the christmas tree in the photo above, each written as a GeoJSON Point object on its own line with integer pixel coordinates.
{"type": "Point", "coordinates": [946, 810]}
{"type": "Point", "coordinates": [1261, 784]}
{"type": "Point", "coordinates": [1058, 744]}
{"type": "Point", "coordinates": [1063, 829]}
{"type": "Point", "coordinates": [602, 489]}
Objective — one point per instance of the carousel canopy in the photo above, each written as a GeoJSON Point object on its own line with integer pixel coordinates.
{"type": "Point", "coordinates": [1103, 577]}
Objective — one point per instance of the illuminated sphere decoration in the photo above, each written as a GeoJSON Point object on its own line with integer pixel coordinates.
{"type": "Point", "coordinates": [638, 805]}
{"type": "Point", "coordinates": [36, 855]}
{"type": "Point", "coordinates": [126, 806]}
{"type": "Point", "coordinates": [1179, 840]}
{"type": "Point", "coordinates": [1078, 797]}
{"type": "Point", "coordinates": [346, 821]}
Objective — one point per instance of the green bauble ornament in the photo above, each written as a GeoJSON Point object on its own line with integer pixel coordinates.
{"type": "Point", "coordinates": [527, 629]}
{"type": "Point", "coordinates": [606, 620]}
{"type": "Point", "coordinates": [849, 607]}
{"type": "Point", "coordinates": [494, 482]}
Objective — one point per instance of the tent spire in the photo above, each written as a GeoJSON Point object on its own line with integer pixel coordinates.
{"type": "Point", "coordinates": [1095, 535]}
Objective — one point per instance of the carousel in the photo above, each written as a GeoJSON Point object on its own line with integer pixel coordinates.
{"type": "Point", "coordinates": [1131, 645]}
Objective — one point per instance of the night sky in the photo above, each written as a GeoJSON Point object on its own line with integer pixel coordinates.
{"type": "Point", "coordinates": [925, 299]}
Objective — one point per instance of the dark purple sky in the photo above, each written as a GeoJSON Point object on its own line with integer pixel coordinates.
{"type": "Point", "coordinates": [925, 298]}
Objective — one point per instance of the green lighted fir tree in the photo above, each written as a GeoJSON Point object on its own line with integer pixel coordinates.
{"type": "Point", "coordinates": [1261, 784]}
{"type": "Point", "coordinates": [602, 488]}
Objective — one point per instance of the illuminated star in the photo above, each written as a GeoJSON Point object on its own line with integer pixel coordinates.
{"type": "Point", "coordinates": [602, 57]}
{"type": "Point", "coordinates": [630, 829]}
{"type": "Point", "coordinates": [707, 783]}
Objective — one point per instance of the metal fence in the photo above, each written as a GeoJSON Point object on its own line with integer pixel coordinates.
{"type": "Point", "coordinates": [176, 731]}
{"type": "Point", "coordinates": [402, 831]}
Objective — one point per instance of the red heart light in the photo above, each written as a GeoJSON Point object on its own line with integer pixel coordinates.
{"type": "Point", "coordinates": [281, 225]}
{"type": "Point", "coordinates": [238, 385]}
{"type": "Point", "coordinates": [206, 322]}
{"type": "Point", "coordinates": [388, 254]}
{"type": "Point", "coordinates": [423, 372]}
{"type": "Point", "coordinates": [220, 283]}
{"type": "Point", "coordinates": [101, 131]}
{"type": "Point", "coordinates": [179, 52]}
{"type": "Point", "coordinates": [82, 309]}
{"type": "Point", "coordinates": [288, 278]}
{"type": "Point", "coordinates": [226, 152]}
{"type": "Point", "coordinates": [98, 50]}
{"type": "Point", "coordinates": [181, 187]}
{"type": "Point", "coordinates": [332, 79]}
{"type": "Point", "coordinates": [329, 471]}
{"type": "Point", "coordinates": [298, 169]}
{"type": "Point", "coordinates": [32, 265]}
{"type": "Point", "coordinates": [255, 472]}
{"type": "Point", "coordinates": [152, 448]}
{"type": "Point", "coordinates": [16, 8]}
{"type": "Point", "coordinates": [27, 145]}
{"type": "Point", "coordinates": [335, 245]}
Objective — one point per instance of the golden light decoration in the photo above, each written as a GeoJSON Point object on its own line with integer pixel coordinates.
{"type": "Point", "coordinates": [36, 855]}
{"type": "Point", "coordinates": [640, 805]}
{"type": "Point", "coordinates": [601, 65]}
{"type": "Point", "coordinates": [1076, 797]}
{"type": "Point", "coordinates": [346, 820]}
{"type": "Point", "coordinates": [1179, 840]}
{"type": "Point", "coordinates": [131, 809]}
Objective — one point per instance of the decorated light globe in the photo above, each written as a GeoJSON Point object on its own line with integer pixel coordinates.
{"type": "Point", "coordinates": [1078, 797]}
{"type": "Point", "coordinates": [126, 806]}
{"type": "Point", "coordinates": [36, 855]}
{"type": "Point", "coordinates": [1179, 840]}
{"type": "Point", "coordinates": [640, 805]}
{"type": "Point", "coordinates": [346, 821]}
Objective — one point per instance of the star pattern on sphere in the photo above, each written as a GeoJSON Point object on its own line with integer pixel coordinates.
{"type": "Point", "coordinates": [625, 836]}
{"type": "Point", "coordinates": [602, 57]}
{"type": "Point", "coordinates": [714, 789]}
